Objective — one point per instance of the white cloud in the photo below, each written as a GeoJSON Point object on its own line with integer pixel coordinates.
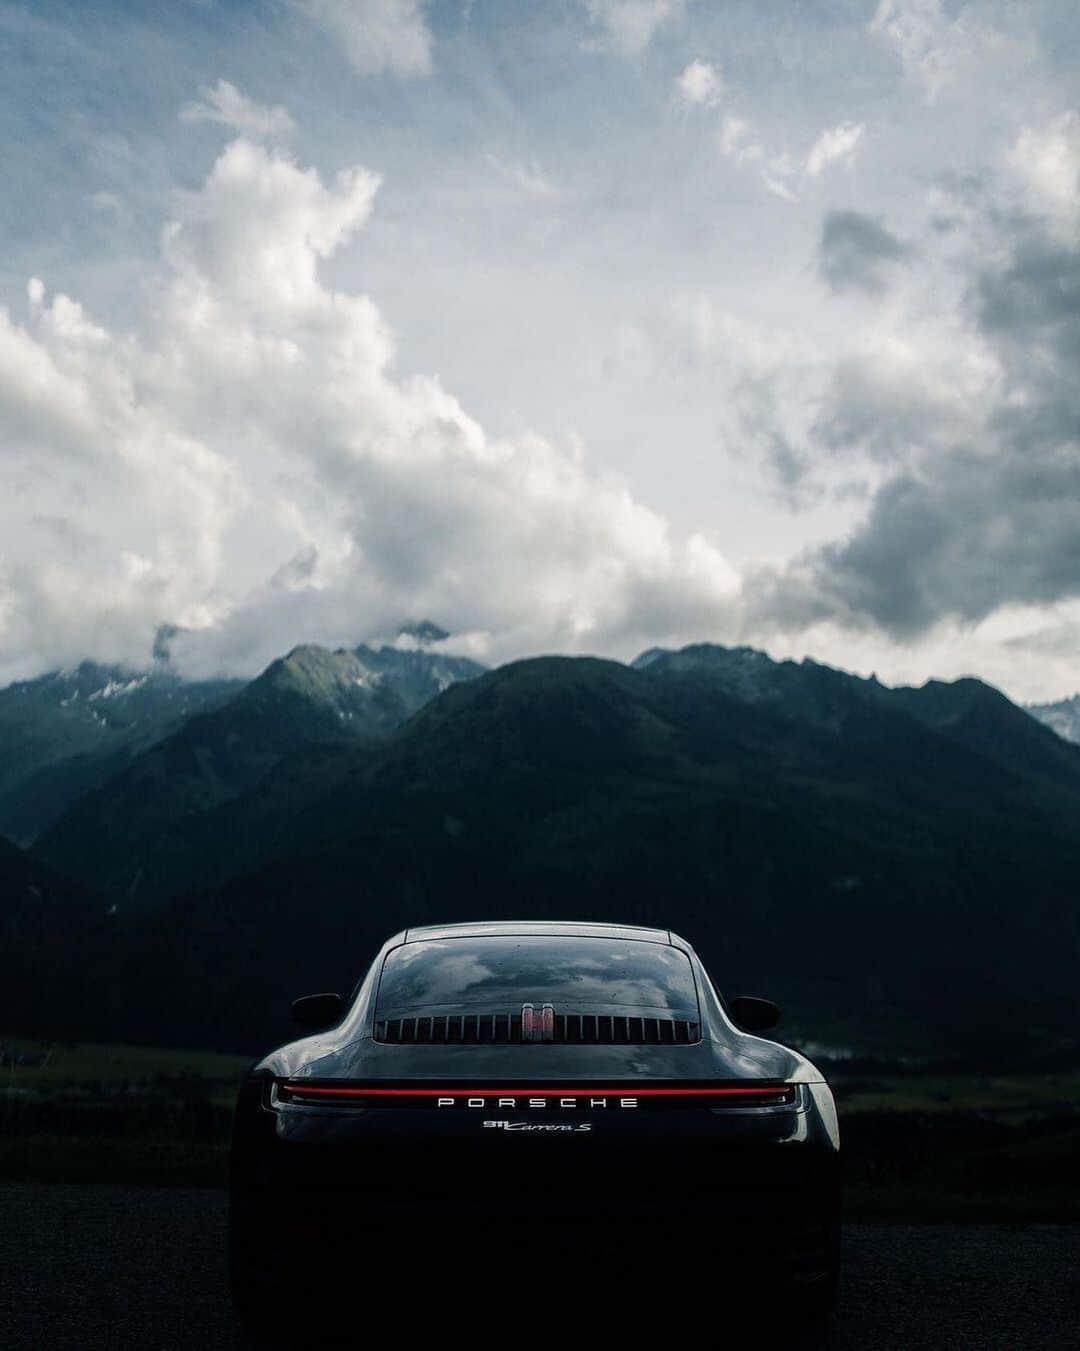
{"type": "Point", "coordinates": [779, 172]}
{"type": "Point", "coordinates": [527, 176]}
{"type": "Point", "coordinates": [249, 464]}
{"type": "Point", "coordinates": [834, 145]}
{"type": "Point", "coordinates": [699, 84]}
{"type": "Point", "coordinates": [1046, 161]}
{"type": "Point", "coordinates": [225, 104]}
{"type": "Point", "coordinates": [737, 141]}
{"type": "Point", "coordinates": [255, 232]}
{"type": "Point", "coordinates": [376, 35]}
{"type": "Point", "coordinates": [114, 512]}
{"type": "Point", "coordinates": [109, 204]}
{"type": "Point", "coordinates": [778, 187]}
{"type": "Point", "coordinates": [934, 49]}
{"type": "Point", "coordinates": [629, 26]}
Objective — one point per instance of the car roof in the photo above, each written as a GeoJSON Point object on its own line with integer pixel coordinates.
{"type": "Point", "coordinates": [545, 929]}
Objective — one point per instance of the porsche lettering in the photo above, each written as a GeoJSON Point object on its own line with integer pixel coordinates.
{"type": "Point", "coordinates": [615, 1102]}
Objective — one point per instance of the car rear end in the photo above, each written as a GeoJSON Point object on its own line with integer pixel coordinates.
{"type": "Point", "coordinates": [499, 1102]}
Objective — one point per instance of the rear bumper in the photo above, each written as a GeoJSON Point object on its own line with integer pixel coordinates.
{"type": "Point", "coordinates": [757, 1188]}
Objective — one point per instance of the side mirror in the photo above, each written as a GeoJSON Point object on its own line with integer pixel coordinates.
{"type": "Point", "coordinates": [319, 1011]}
{"type": "Point", "coordinates": [753, 1014]}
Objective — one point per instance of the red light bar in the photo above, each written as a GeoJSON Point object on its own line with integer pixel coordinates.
{"type": "Point", "coordinates": [540, 1096]}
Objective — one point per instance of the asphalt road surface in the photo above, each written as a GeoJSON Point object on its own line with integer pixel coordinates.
{"type": "Point", "coordinates": [87, 1267]}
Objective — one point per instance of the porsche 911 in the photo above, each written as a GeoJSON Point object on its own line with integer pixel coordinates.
{"type": "Point", "coordinates": [503, 1107]}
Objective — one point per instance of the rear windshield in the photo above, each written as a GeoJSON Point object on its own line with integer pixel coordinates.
{"type": "Point", "coordinates": [575, 974]}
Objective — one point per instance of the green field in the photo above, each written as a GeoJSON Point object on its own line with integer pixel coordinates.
{"type": "Point", "coordinates": [1009, 1098]}
{"type": "Point", "coordinates": [66, 1069]}
{"type": "Point", "coordinates": [917, 1145]}
{"type": "Point", "coordinates": [78, 1112]}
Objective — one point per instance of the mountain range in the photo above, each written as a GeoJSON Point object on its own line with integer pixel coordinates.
{"type": "Point", "coordinates": [870, 856]}
{"type": "Point", "coordinates": [67, 732]}
{"type": "Point", "coordinates": [129, 836]}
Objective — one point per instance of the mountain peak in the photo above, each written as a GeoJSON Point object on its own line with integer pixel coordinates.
{"type": "Point", "coordinates": [745, 672]}
{"type": "Point", "coordinates": [697, 653]}
{"type": "Point", "coordinates": [312, 682]}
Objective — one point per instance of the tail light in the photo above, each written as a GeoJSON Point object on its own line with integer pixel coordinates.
{"type": "Point", "coordinates": [613, 1097]}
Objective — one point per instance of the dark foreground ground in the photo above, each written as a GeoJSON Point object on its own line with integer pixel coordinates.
{"type": "Point", "coordinates": [87, 1267]}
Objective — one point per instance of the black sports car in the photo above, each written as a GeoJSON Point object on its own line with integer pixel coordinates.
{"type": "Point", "coordinates": [517, 1107]}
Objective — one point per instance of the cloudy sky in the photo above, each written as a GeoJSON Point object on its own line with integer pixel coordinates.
{"type": "Point", "coordinates": [574, 326]}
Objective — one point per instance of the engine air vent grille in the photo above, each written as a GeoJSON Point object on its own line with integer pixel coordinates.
{"type": "Point", "coordinates": [610, 1029]}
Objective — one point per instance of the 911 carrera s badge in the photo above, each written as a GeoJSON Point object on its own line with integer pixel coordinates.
{"type": "Point", "coordinates": [573, 1127]}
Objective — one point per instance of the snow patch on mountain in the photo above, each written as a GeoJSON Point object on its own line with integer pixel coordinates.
{"type": "Point", "coordinates": [1062, 717]}
{"type": "Point", "coordinates": [114, 688]}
